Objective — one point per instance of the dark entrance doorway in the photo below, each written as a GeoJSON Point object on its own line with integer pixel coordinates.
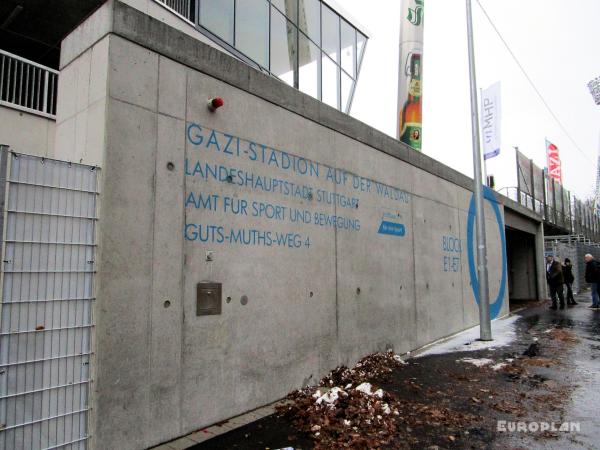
{"type": "Point", "coordinates": [522, 269]}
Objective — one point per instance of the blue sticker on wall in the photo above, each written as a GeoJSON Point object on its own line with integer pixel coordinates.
{"type": "Point", "coordinates": [392, 228]}
{"type": "Point", "coordinates": [496, 306]}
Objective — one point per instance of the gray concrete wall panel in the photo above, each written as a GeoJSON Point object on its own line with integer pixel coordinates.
{"type": "Point", "coordinates": [123, 308]}
{"type": "Point", "coordinates": [331, 240]}
{"type": "Point", "coordinates": [81, 106]}
{"type": "Point", "coordinates": [27, 133]}
{"type": "Point", "coordinates": [167, 280]}
{"type": "Point", "coordinates": [518, 222]}
{"type": "Point", "coordinates": [437, 271]}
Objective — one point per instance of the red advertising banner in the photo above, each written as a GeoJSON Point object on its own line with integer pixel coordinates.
{"type": "Point", "coordinates": [554, 164]}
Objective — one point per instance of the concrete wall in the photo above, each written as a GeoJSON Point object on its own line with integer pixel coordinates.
{"type": "Point", "coordinates": [27, 133]}
{"type": "Point", "coordinates": [300, 296]}
{"type": "Point", "coordinates": [159, 12]}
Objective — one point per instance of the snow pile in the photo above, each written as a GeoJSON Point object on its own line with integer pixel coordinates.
{"type": "Point", "coordinates": [399, 359]}
{"type": "Point", "coordinates": [479, 362]}
{"type": "Point", "coordinates": [483, 362]}
{"type": "Point", "coordinates": [499, 366]}
{"type": "Point", "coordinates": [365, 388]}
{"type": "Point", "coordinates": [328, 398]}
{"type": "Point", "coordinates": [503, 333]}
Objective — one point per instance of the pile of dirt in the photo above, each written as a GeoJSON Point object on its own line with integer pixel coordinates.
{"type": "Point", "coordinates": [374, 366]}
{"type": "Point", "coordinates": [346, 411]}
{"type": "Point", "coordinates": [355, 416]}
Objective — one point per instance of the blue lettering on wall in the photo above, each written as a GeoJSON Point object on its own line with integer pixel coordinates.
{"type": "Point", "coordinates": [333, 198]}
{"type": "Point", "coordinates": [214, 234]}
{"type": "Point", "coordinates": [194, 134]}
{"type": "Point", "coordinates": [200, 201]}
{"type": "Point", "coordinates": [242, 178]}
{"type": "Point", "coordinates": [234, 146]}
{"type": "Point", "coordinates": [333, 221]}
{"type": "Point", "coordinates": [204, 142]}
{"type": "Point", "coordinates": [451, 263]}
{"type": "Point", "coordinates": [451, 244]}
{"type": "Point", "coordinates": [392, 193]}
{"type": "Point", "coordinates": [214, 141]}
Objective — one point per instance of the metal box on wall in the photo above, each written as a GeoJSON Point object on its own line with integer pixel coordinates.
{"type": "Point", "coordinates": [208, 299]}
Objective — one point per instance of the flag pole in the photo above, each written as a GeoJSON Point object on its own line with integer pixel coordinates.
{"type": "Point", "coordinates": [485, 326]}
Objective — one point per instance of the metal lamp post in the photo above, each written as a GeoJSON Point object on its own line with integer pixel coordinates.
{"type": "Point", "coordinates": [485, 326]}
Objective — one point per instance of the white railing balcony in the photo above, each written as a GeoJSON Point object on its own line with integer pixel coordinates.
{"type": "Point", "coordinates": [185, 8]}
{"type": "Point", "coordinates": [27, 86]}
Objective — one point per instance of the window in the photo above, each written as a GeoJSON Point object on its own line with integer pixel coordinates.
{"type": "Point", "coordinates": [304, 43]}
{"type": "Point", "coordinates": [361, 42]}
{"type": "Point", "coordinates": [348, 48]}
{"type": "Point", "coordinates": [347, 84]}
{"type": "Point", "coordinates": [252, 29]}
{"type": "Point", "coordinates": [330, 82]}
{"type": "Point", "coordinates": [309, 19]}
{"type": "Point", "coordinates": [330, 27]}
{"type": "Point", "coordinates": [283, 47]}
{"type": "Point", "coordinates": [217, 17]}
{"type": "Point", "coordinates": [309, 57]}
{"type": "Point", "coordinates": [288, 7]}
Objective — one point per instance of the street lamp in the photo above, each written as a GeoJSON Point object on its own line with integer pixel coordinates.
{"type": "Point", "coordinates": [485, 325]}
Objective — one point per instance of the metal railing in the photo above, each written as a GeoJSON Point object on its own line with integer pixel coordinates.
{"type": "Point", "coordinates": [184, 8]}
{"type": "Point", "coordinates": [27, 86]}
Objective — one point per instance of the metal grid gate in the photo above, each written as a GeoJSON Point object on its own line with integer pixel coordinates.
{"type": "Point", "coordinates": [49, 226]}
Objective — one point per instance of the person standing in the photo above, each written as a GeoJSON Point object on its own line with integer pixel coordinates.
{"type": "Point", "coordinates": [569, 279]}
{"type": "Point", "coordinates": [555, 278]}
{"type": "Point", "coordinates": [592, 276]}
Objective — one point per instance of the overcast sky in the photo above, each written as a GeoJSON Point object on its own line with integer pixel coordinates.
{"type": "Point", "coordinates": [558, 43]}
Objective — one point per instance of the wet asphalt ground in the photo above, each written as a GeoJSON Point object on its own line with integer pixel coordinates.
{"type": "Point", "coordinates": [561, 384]}
{"type": "Point", "coordinates": [581, 370]}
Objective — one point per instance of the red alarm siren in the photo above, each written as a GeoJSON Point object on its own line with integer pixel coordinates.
{"type": "Point", "coordinates": [215, 103]}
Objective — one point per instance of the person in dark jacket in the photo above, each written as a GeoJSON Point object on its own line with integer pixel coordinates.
{"type": "Point", "coordinates": [569, 279]}
{"type": "Point", "coordinates": [592, 276]}
{"type": "Point", "coordinates": [554, 275]}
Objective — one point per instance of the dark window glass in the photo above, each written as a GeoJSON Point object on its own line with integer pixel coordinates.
{"type": "Point", "coordinates": [348, 48]}
{"type": "Point", "coordinates": [252, 30]}
{"type": "Point", "coordinates": [287, 7]}
{"type": "Point", "coordinates": [309, 59]}
{"type": "Point", "coordinates": [217, 17]}
{"type": "Point", "coordinates": [283, 47]}
{"type": "Point", "coordinates": [330, 82]}
{"type": "Point", "coordinates": [309, 19]}
{"type": "Point", "coordinates": [331, 33]}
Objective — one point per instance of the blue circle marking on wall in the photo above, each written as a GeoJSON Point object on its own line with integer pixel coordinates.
{"type": "Point", "coordinates": [496, 306]}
